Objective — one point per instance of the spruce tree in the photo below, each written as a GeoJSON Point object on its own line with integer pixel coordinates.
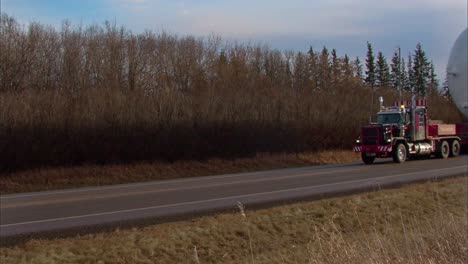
{"type": "Point", "coordinates": [433, 82]}
{"type": "Point", "coordinates": [358, 69]}
{"type": "Point", "coordinates": [312, 68]}
{"type": "Point", "coordinates": [420, 71]}
{"type": "Point", "coordinates": [370, 64]}
{"type": "Point", "coordinates": [347, 68]}
{"type": "Point", "coordinates": [335, 67]}
{"type": "Point", "coordinates": [324, 69]}
{"type": "Point", "coordinates": [222, 57]}
{"type": "Point", "coordinates": [312, 59]}
{"type": "Point", "coordinates": [410, 77]}
{"type": "Point", "coordinates": [288, 74]}
{"type": "Point", "coordinates": [382, 74]}
{"type": "Point", "coordinates": [395, 71]}
{"type": "Point", "coordinates": [404, 75]}
{"type": "Point", "coordinates": [445, 88]}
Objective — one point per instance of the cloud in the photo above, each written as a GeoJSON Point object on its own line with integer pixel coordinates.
{"type": "Point", "coordinates": [262, 18]}
{"type": "Point", "coordinates": [184, 12]}
{"type": "Point", "coordinates": [246, 18]}
{"type": "Point", "coordinates": [425, 4]}
{"type": "Point", "coordinates": [130, 1]}
{"type": "Point", "coordinates": [134, 6]}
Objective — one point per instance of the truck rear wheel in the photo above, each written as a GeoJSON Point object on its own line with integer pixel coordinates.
{"type": "Point", "coordinates": [367, 159]}
{"type": "Point", "coordinates": [444, 150]}
{"type": "Point", "coordinates": [455, 149]}
{"type": "Point", "coordinates": [399, 153]}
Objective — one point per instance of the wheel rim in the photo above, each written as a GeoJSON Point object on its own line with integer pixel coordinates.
{"type": "Point", "coordinates": [445, 149]}
{"type": "Point", "coordinates": [456, 148]}
{"type": "Point", "coordinates": [401, 153]}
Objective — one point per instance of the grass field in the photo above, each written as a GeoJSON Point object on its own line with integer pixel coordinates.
{"type": "Point", "coordinates": [95, 175]}
{"type": "Point", "coordinates": [419, 223]}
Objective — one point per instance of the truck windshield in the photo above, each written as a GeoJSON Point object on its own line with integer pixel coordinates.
{"type": "Point", "coordinates": [388, 118]}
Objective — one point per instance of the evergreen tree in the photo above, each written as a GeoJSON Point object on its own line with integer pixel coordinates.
{"type": "Point", "coordinates": [347, 68]}
{"type": "Point", "coordinates": [445, 90]}
{"type": "Point", "coordinates": [312, 68]}
{"type": "Point", "coordinates": [404, 75]}
{"type": "Point", "coordinates": [222, 63]}
{"type": "Point", "coordinates": [358, 69]}
{"type": "Point", "coordinates": [410, 76]}
{"type": "Point", "coordinates": [395, 71]}
{"type": "Point", "coordinates": [324, 69]}
{"type": "Point", "coordinates": [311, 52]}
{"type": "Point", "coordinates": [433, 82]}
{"type": "Point", "coordinates": [382, 73]}
{"type": "Point", "coordinates": [335, 67]}
{"type": "Point", "coordinates": [370, 64]}
{"type": "Point", "coordinates": [222, 57]}
{"type": "Point", "coordinates": [420, 71]}
{"type": "Point", "coordinates": [288, 74]}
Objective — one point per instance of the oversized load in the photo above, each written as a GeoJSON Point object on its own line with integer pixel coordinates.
{"type": "Point", "coordinates": [457, 77]}
{"type": "Point", "coordinates": [457, 73]}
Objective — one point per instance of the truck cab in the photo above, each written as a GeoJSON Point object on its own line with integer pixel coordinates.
{"type": "Point", "coordinates": [386, 118]}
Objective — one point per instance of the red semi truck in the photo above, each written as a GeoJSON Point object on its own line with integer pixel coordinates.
{"type": "Point", "coordinates": [405, 130]}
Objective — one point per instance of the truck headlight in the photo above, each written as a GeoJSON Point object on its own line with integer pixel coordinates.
{"type": "Point", "coordinates": [389, 140]}
{"type": "Point", "coordinates": [358, 141]}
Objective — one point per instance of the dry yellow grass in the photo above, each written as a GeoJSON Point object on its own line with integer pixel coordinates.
{"type": "Point", "coordinates": [94, 175]}
{"type": "Point", "coordinates": [421, 223]}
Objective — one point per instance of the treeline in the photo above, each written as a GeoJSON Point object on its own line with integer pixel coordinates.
{"type": "Point", "coordinates": [77, 59]}
{"type": "Point", "coordinates": [102, 94]}
{"type": "Point", "coordinates": [417, 76]}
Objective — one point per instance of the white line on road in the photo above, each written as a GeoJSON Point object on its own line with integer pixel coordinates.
{"type": "Point", "coordinates": [223, 198]}
{"type": "Point", "coordinates": [10, 204]}
{"type": "Point", "coordinates": [118, 186]}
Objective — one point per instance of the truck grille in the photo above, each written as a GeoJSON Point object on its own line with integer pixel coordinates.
{"type": "Point", "coordinates": [370, 132]}
{"type": "Point", "coordinates": [370, 141]}
{"type": "Point", "coordinates": [370, 136]}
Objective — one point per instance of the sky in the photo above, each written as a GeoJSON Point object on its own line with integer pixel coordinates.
{"type": "Point", "coordinates": [346, 25]}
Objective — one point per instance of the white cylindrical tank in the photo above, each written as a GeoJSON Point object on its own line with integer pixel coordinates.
{"type": "Point", "coordinates": [457, 70]}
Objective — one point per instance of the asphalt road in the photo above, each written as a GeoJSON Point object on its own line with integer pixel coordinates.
{"type": "Point", "coordinates": [28, 213]}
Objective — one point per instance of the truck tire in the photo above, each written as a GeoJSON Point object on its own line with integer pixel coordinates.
{"type": "Point", "coordinates": [366, 159]}
{"type": "Point", "coordinates": [399, 154]}
{"type": "Point", "coordinates": [444, 150]}
{"type": "Point", "coordinates": [455, 149]}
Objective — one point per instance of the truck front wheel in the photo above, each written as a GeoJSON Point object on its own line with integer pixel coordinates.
{"type": "Point", "coordinates": [399, 153]}
{"type": "Point", "coordinates": [367, 159]}
{"type": "Point", "coordinates": [444, 150]}
{"type": "Point", "coordinates": [455, 149]}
